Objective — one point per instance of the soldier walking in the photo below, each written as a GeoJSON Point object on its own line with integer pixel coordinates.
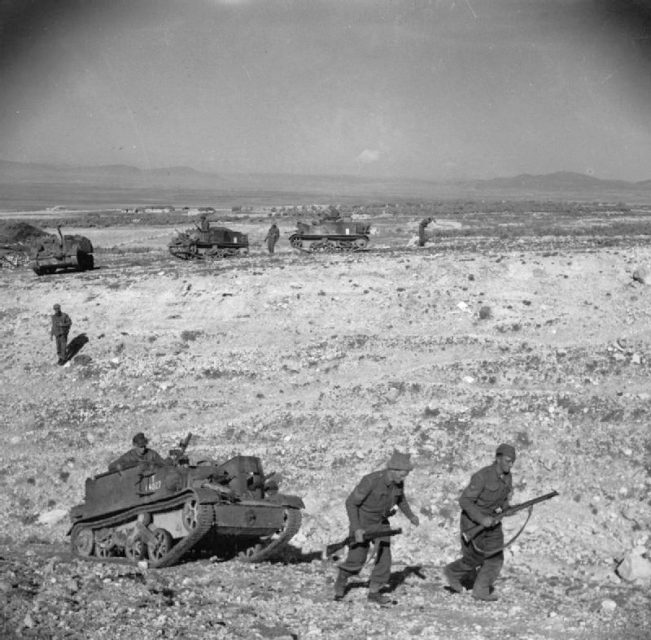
{"type": "Point", "coordinates": [370, 504]}
{"type": "Point", "coordinates": [60, 328]}
{"type": "Point", "coordinates": [422, 237]}
{"type": "Point", "coordinates": [272, 237]}
{"type": "Point", "coordinates": [487, 495]}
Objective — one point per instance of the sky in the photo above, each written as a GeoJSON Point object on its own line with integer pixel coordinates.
{"type": "Point", "coordinates": [431, 89]}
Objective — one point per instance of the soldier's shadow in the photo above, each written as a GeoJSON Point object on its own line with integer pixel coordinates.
{"type": "Point", "coordinates": [398, 577]}
{"type": "Point", "coordinates": [75, 346]}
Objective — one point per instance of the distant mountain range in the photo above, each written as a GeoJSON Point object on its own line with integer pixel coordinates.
{"type": "Point", "coordinates": [123, 179]}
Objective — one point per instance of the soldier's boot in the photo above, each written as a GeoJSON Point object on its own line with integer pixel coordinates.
{"type": "Point", "coordinates": [483, 587]}
{"type": "Point", "coordinates": [453, 580]}
{"type": "Point", "coordinates": [378, 598]}
{"type": "Point", "coordinates": [340, 585]}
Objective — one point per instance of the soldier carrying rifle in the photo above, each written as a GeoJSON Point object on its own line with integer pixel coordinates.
{"type": "Point", "coordinates": [488, 493]}
{"type": "Point", "coordinates": [484, 503]}
{"type": "Point", "coordinates": [369, 507]}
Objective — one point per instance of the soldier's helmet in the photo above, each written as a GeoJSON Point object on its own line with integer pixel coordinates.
{"type": "Point", "coordinates": [139, 440]}
{"type": "Point", "coordinates": [57, 307]}
{"type": "Point", "coordinates": [506, 450]}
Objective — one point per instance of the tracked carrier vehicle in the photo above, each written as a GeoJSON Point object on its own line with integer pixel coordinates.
{"type": "Point", "coordinates": [216, 242]}
{"type": "Point", "coordinates": [164, 513]}
{"type": "Point", "coordinates": [50, 253]}
{"type": "Point", "coordinates": [330, 236]}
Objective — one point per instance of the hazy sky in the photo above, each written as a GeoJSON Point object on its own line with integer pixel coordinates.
{"type": "Point", "coordinates": [414, 88]}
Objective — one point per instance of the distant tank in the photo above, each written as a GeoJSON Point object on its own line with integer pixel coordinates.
{"type": "Point", "coordinates": [208, 242]}
{"type": "Point", "coordinates": [50, 253]}
{"type": "Point", "coordinates": [330, 236]}
{"type": "Point", "coordinates": [163, 513]}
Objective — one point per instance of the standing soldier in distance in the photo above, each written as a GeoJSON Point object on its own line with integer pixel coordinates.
{"type": "Point", "coordinates": [204, 225]}
{"type": "Point", "coordinates": [60, 328]}
{"type": "Point", "coordinates": [272, 237]}
{"type": "Point", "coordinates": [370, 504]}
{"type": "Point", "coordinates": [487, 495]}
{"type": "Point", "coordinates": [422, 238]}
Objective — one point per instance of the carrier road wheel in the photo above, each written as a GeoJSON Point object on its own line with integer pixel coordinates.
{"type": "Point", "coordinates": [104, 549]}
{"type": "Point", "coordinates": [190, 515]}
{"type": "Point", "coordinates": [160, 546]}
{"type": "Point", "coordinates": [135, 549]}
{"type": "Point", "coordinates": [82, 541]}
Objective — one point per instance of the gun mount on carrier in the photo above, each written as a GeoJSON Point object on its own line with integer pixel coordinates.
{"type": "Point", "coordinates": [50, 253]}
{"type": "Point", "coordinates": [330, 236]}
{"type": "Point", "coordinates": [215, 242]}
{"type": "Point", "coordinates": [162, 513]}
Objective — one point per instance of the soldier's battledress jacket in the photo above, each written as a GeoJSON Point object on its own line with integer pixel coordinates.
{"type": "Point", "coordinates": [373, 498]}
{"type": "Point", "coordinates": [489, 492]}
{"type": "Point", "coordinates": [60, 324]}
{"type": "Point", "coordinates": [132, 458]}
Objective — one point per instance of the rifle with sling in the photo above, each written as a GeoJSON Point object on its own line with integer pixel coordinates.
{"type": "Point", "coordinates": [469, 534]}
{"type": "Point", "coordinates": [369, 536]}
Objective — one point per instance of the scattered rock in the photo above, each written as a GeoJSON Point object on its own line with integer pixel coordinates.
{"type": "Point", "coordinates": [641, 275]}
{"type": "Point", "coordinates": [635, 567]}
{"type": "Point", "coordinates": [52, 517]}
{"type": "Point", "coordinates": [608, 606]}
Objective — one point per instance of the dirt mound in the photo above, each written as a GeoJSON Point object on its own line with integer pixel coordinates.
{"type": "Point", "coordinates": [12, 231]}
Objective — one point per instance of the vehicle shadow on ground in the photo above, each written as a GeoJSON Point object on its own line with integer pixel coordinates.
{"type": "Point", "coordinates": [295, 555]}
{"type": "Point", "coordinates": [75, 346]}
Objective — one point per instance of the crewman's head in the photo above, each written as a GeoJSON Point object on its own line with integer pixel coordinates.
{"type": "Point", "coordinates": [505, 457]}
{"type": "Point", "coordinates": [399, 465]}
{"type": "Point", "coordinates": [139, 441]}
{"type": "Point", "coordinates": [57, 308]}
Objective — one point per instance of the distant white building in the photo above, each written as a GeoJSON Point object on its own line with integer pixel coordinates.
{"type": "Point", "coordinates": [159, 208]}
{"type": "Point", "coordinates": [195, 211]}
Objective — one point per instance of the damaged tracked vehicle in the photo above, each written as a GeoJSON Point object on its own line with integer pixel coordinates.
{"type": "Point", "coordinates": [50, 253]}
{"type": "Point", "coordinates": [211, 242]}
{"type": "Point", "coordinates": [330, 236]}
{"type": "Point", "coordinates": [163, 513]}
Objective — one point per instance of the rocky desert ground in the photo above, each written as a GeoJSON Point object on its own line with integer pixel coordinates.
{"type": "Point", "coordinates": [321, 365]}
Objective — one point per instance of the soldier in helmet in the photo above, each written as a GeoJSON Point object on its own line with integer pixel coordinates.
{"type": "Point", "coordinates": [140, 454]}
{"type": "Point", "coordinates": [60, 328]}
{"type": "Point", "coordinates": [272, 237]}
{"type": "Point", "coordinates": [370, 504]}
{"type": "Point", "coordinates": [487, 495]}
{"type": "Point", "coordinates": [422, 237]}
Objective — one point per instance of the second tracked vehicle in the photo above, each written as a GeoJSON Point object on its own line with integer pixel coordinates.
{"type": "Point", "coordinates": [210, 242]}
{"type": "Point", "coordinates": [330, 236]}
{"type": "Point", "coordinates": [163, 513]}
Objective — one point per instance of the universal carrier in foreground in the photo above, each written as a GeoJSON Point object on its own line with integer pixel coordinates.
{"type": "Point", "coordinates": [163, 513]}
{"type": "Point", "coordinates": [50, 253]}
{"type": "Point", "coordinates": [216, 242]}
{"type": "Point", "coordinates": [330, 236]}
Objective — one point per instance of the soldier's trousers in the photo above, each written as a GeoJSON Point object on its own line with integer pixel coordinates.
{"type": "Point", "coordinates": [356, 559]}
{"type": "Point", "coordinates": [271, 245]}
{"type": "Point", "coordinates": [476, 559]}
{"type": "Point", "coordinates": [62, 345]}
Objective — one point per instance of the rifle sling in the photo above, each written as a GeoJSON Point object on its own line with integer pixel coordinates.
{"type": "Point", "coordinates": [490, 554]}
